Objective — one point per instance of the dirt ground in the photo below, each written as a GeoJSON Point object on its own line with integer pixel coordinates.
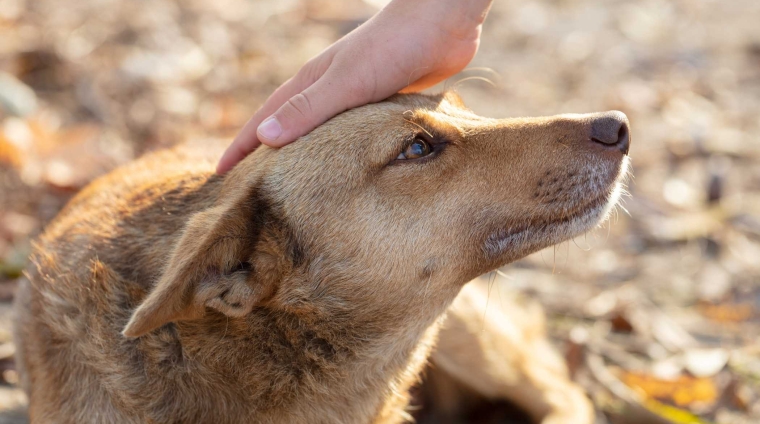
{"type": "Point", "coordinates": [657, 312]}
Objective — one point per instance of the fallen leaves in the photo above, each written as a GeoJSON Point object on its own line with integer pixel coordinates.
{"type": "Point", "coordinates": [15, 96]}
{"type": "Point", "coordinates": [682, 391]}
{"type": "Point", "coordinates": [728, 312]}
{"type": "Point", "coordinates": [674, 415]}
{"type": "Point", "coordinates": [42, 153]}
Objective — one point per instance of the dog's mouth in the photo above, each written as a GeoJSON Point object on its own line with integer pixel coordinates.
{"type": "Point", "coordinates": [519, 237]}
{"type": "Point", "coordinates": [518, 240]}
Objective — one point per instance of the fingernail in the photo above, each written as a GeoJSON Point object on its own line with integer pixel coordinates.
{"type": "Point", "coordinates": [270, 129]}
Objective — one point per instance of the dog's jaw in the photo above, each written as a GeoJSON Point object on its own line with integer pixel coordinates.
{"type": "Point", "coordinates": [509, 244]}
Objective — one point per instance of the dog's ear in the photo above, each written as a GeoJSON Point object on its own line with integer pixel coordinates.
{"type": "Point", "coordinates": [209, 268]}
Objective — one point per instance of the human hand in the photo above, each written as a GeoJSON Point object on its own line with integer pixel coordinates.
{"type": "Point", "coordinates": [408, 46]}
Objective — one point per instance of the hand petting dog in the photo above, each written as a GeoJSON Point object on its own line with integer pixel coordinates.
{"type": "Point", "coordinates": [408, 46]}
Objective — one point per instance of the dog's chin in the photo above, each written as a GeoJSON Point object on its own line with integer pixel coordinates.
{"type": "Point", "coordinates": [509, 244]}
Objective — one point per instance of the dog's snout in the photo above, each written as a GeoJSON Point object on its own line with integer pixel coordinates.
{"type": "Point", "coordinates": [611, 129]}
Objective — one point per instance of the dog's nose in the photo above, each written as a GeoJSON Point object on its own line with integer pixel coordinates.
{"type": "Point", "coordinates": [611, 129]}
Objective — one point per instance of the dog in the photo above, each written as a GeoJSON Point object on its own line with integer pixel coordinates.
{"type": "Point", "coordinates": [307, 285]}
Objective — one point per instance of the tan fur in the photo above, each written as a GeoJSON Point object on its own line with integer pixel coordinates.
{"type": "Point", "coordinates": [500, 352]}
{"type": "Point", "coordinates": [307, 285]}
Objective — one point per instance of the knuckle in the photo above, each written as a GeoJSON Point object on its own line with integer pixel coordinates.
{"type": "Point", "coordinates": [311, 72]}
{"type": "Point", "coordinates": [300, 104]}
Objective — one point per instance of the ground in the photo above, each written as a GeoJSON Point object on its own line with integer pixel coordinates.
{"type": "Point", "coordinates": [656, 312]}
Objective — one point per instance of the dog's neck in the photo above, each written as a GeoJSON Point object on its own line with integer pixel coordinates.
{"type": "Point", "coordinates": [345, 359]}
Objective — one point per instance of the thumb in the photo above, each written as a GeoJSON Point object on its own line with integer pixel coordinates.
{"type": "Point", "coordinates": [308, 110]}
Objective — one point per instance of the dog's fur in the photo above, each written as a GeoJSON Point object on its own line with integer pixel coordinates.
{"type": "Point", "coordinates": [308, 284]}
{"type": "Point", "coordinates": [498, 353]}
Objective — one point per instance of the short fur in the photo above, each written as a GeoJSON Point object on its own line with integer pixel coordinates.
{"type": "Point", "coordinates": [308, 284]}
{"type": "Point", "coordinates": [498, 353]}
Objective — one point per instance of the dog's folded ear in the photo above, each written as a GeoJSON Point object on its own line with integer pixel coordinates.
{"type": "Point", "coordinates": [209, 268]}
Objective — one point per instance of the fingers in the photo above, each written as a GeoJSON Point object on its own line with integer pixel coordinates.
{"type": "Point", "coordinates": [246, 140]}
{"type": "Point", "coordinates": [310, 108]}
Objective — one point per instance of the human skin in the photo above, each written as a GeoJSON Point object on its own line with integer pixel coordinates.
{"type": "Point", "coordinates": [408, 46]}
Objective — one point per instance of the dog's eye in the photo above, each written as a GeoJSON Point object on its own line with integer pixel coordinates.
{"type": "Point", "coordinates": [417, 149]}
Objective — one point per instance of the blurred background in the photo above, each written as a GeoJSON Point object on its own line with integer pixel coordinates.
{"type": "Point", "coordinates": [657, 312]}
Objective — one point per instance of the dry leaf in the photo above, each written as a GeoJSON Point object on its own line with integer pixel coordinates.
{"type": "Point", "coordinates": [734, 312]}
{"type": "Point", "coordinates": [682, 391]}
{"type": "Point", "coordinates": [9, 153]}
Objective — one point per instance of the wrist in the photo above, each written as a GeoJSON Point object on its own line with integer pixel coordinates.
{"type": "Point", "coordinates": [461, 19]}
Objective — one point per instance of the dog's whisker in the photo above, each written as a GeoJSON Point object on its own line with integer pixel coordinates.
{"type": "Point", "coordinates": [420, 127]}
{"type": "Point", "coordinates": [498, 292]}
{"type": "Point", "coordinates": [492, 276]}
{"type": "Point", "coordinates": [608, 223]}
{"type": "Point", "coordinates": [487, 69]}
{"type": "Point", "coordinates": [409, 80]}
{"type": "Point", "coordinates": [554, 265]}
{"type": "Point", "coordinates": [475, 78]}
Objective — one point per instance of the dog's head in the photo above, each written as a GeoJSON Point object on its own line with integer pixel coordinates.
{"type": "Point", "coordinates": [394, 203]}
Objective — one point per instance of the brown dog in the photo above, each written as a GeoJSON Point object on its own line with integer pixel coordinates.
{"type": "Point", "coordinates": [307, 285]}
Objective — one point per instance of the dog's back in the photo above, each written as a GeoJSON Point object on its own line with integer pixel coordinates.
{"type": "Point", "coordinates": [77, 299]}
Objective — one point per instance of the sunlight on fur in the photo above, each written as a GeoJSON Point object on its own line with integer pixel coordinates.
{"type": "Point", "coordinates": [314, 283]}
